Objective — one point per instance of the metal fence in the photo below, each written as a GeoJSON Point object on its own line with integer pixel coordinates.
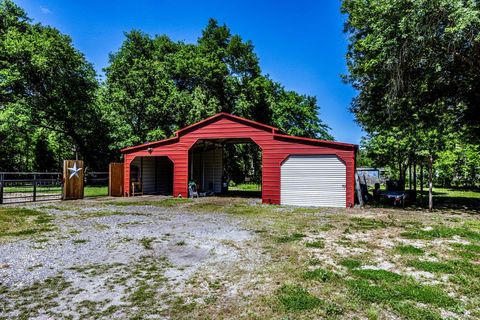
{"type": "Point", "coordinates": [30, 186]}
{"type": "Point", "coordinates": [16, 187]}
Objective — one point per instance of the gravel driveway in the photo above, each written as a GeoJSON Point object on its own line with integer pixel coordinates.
{"type": "Point", "coordinates": [101, 255]}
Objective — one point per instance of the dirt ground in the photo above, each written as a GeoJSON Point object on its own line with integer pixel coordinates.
{"type": "Point", "coordinates": [222, 258]}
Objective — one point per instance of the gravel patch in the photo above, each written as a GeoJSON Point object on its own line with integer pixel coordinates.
{"type": "Point", "coordinates": [190, 244]}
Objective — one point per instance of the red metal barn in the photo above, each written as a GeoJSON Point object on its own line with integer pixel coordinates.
{"type": "Point", "coordinates": [295, 170]}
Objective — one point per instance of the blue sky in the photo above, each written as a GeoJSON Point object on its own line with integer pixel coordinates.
{"type": "Point", "coordinates": [299, 43]}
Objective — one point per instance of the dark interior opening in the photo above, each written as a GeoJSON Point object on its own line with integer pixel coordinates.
{"type": "Point", "coordinates": [152, 175]}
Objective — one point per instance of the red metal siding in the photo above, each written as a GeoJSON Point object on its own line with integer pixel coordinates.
{"type": "Point", "coordinates": [275, 149]}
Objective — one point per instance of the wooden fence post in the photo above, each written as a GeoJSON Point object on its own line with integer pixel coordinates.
{"type": "Point", "coordinates": [359, 189]}
{"type": "Point", "coordinates": [1, 188]}
{"type": "Point", "coordinates": [73, 179]}
{"type": "Point", "coordinates": [34, 187]}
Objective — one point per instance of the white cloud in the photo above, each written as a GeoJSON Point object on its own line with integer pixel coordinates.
{"type": "Point", "coordinates": [45, 10]}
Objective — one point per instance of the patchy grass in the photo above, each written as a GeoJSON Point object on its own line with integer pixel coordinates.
{"type": "Point", "coordinates": [296, 298]}
{"type": "Point", "coordinates": [147, 242]}
{"type": "Point", "coordinates": [290, 238]}
{"type": "Point", "coordinates": [431, 266]}
{"type": "Point", "coordinates": [319, 274]}
{"type": "Point", "coordinates": [17, 222]}
{"type": "Point", "coordinates": [291, 280]}
{"type": "Point", "coordinates": [377, 275]}
{"type": "Point", "coordinates": [368, 224]}
{"type": "Point", "coordinates": [101, 214]}
{"type": "Point", "coordinates": [442, 231]}
{"type": "Point", "coordinates": [411, 312]}
{"type": "Point", "coordinates": [319, 244]}
{"type": "Point", "coordinates": [168, 202]}
{"type": "Point", "coordinates": [181, 243]}
{"type": "Point", "coordinates": [32, 301]}
{"type": "Point", "coordinates": [409, 250]}
{"type": "Point", "coordinates": [351, 263]}
{"type": "Point", "coordinates": [398, 292]}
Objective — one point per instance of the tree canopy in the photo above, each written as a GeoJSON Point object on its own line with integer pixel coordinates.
{"type": "Point", "coordinates": [167, 85]}
{"type": "Point", "coordinates": [416, 67]}
{"type": "Point", "coordinates": [47, 93]}
{"type": "Point", "coordinates": [52, 103]}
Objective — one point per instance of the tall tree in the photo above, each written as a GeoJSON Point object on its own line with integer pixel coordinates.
{"type": "Point", "coordinates": [415, 65]}
{"type": "Point", "coordinates": [47, 81]}
{"type": "Point", "coordinates": [155, 86]}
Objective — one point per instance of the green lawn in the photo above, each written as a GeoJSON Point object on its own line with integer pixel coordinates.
{"type": "Point", "coordinates": [246, 187]}
{"type": "Point", "coordinates": [448, 198]}
{"type": "Point", "coordinates": [456, 193]}
{"type": "Point", "coordinates": [453, 198]}
{"type": "Point", "coordinates": [93, 191]}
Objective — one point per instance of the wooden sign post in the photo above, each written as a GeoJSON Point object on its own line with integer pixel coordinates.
{"type": "Point", "coordinates": [115, 179]}
{"type": "Point", "coordinates": [72, 179]}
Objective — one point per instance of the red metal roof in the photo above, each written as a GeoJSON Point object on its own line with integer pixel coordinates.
{"type": "Point", "coordinates": [274, 131]}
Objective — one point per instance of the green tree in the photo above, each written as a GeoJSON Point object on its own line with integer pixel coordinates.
{"type": "Point", "coordinates": [415, 65]}
{"type": "Point", "coordinates": [155, 86]}
{"type": "Point", "coordinates": [49, 84]}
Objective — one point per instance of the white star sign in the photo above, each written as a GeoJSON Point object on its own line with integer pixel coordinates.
{"type": "Point", "coordinates": [74, 171]}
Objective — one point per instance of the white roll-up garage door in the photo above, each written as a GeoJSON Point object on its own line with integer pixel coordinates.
{"type": "Point", "coordinates": [313, 180]}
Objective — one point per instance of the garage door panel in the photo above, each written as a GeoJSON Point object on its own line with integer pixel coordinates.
{"type": "Point", "coordinates": [313, 180]}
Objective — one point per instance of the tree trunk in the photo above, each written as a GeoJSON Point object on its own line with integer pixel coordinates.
{"type": "Point", "coordinates": [415, 180]}
{"type": "Point", "coordinates": [421, 183]}
{"type": "Point", "coordinates": [430, 183]}
{"type": "Point", "coordinates": [410, 176]}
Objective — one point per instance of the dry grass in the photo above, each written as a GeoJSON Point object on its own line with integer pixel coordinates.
{"type": "Point", "coordinates": [318, 263]}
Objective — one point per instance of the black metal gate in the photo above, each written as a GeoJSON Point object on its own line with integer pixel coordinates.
{"type": "Point", "coordinates": [18, 187]}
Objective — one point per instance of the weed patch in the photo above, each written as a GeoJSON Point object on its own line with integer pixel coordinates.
{"type": "Point", "coordinates": [411, 312]}
{"type": "Point", "coordinates": [351, 263]}
{"type": "Point", "coordinates": [377, 275]}
{"type": "Point", "coordinates": [368, 224]}
{"type": "Point", "coordinates": [319, 244]}
{"type": "Point", "coordinates": [431, 266]}
{"type": "Point", "coordinates": [181, 243]}
{"type": "Point", "coordinates": [169, 202]}
{"type": "Point", "coordinates": [442, 232]}
{"type": "Point", "coordinates": [409, 250]}
{"type": "Point", "coordinates": [15, 222]}
{"type": "Point", "coordinates": [147, 242]}
{"type": "Point", "coordinates": [296, 298]}
{"type": "Point", "coordinates": [291, 238]}
{"type": "Point", "coordinates": [319, 274]}
{"type": "Point", "coordinates": [400, 291]}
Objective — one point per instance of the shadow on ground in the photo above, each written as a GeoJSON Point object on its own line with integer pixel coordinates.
{"type": "Point", "coordinates": [441, 201]}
